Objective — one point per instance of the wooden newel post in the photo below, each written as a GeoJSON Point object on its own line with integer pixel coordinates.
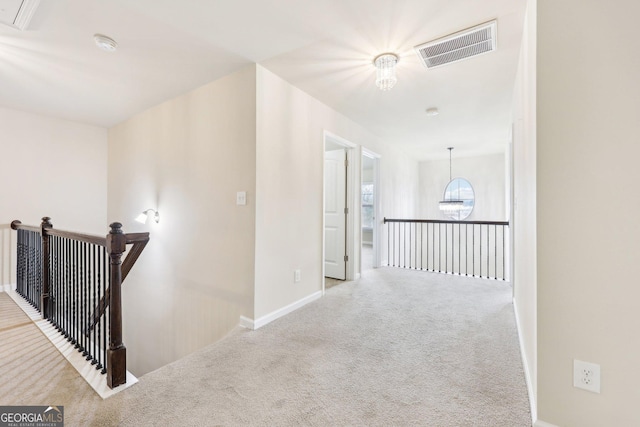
{"type": "Point", "coordinates": [117, 353]}
{"type": "Point", "coordinates": [46, 267]}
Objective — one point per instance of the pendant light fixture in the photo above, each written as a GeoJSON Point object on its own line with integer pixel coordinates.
{"type": "Point", "coordinates": [386, 70]}
{"type": "Point", "coordinates": [451, 205]}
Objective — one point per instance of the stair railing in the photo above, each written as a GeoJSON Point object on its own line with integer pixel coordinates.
{"type": "Point", "coordinates": [466, 248]}
{"type": "Point", "coordinates": [75, 281]}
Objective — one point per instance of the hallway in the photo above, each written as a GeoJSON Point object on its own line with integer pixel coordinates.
{"type": "Point", "coordinates": [395, 347]}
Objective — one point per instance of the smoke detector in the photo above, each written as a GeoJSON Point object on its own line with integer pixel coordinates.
{"type": "Point", "coordinates": [462, 45]}
{"type": "Point", "coordinates": [105, 43]}
{"type": "Point", "coordinates": [17, 13]}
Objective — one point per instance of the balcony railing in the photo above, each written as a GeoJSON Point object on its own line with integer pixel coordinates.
{"type": "Point", "coordinates": [467, 248]}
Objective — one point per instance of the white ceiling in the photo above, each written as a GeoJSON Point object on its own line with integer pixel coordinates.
{"type": "Point", "coordinates": [324, 47]}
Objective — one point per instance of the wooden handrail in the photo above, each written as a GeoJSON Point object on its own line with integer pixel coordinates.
{"type": "Point", "coordinates": [445, 221]}
{"type": "Point", "coordinates": [87, 238]}
{"type": "Point", "coordinates": [127, 264]}
{"type": "Point", "coordinates": [131, 259]}
{"type": "Point", "coordinates": [137, 238]}
{"type": "Point", "coordinates": [17, 225]}
{"type": "Point", "coordinates": [115, 244]}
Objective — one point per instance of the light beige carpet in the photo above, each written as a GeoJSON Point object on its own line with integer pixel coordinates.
{"type": "Point", "coordinates": [396, 348]}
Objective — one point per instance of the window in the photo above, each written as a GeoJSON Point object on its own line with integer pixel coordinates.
{"type": "Point", "coordinates": [460, 189]}
{"type": "Point", "coordinates": [367, 205]}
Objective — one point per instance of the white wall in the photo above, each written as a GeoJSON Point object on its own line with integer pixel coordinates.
{"type": "Point", "coordinates": [290, 147]}
{"type": "Point", "coordinates": [486, 175]}
{"type": "Point", "coordinates": [209, 261]}
{"type": "Point", "coordinates": [50, 167]}
{"type": "Point", "coordinates": [524, 212]}
{"type": "Point", "coordinates": [187, 157]}
{"type": "Point", "coordinates": [588, 127]}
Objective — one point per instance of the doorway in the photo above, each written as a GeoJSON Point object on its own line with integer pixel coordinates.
{"type": "Point", "coordinates": [335, 214]}
{"type": "Point", "coordinates": [338, 220]}
{"type": "Point", "coordinates": [369, 200]}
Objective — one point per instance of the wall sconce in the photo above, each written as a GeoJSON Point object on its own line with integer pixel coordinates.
{"type": "Point", "coordinates": [143, 218]}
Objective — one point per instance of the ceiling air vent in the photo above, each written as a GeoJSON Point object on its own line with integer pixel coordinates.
{"type": "Point", "coordinates": [461, 45]}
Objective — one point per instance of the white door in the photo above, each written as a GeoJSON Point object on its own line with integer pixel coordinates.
{"type": "Point", "coordinates": [335, 217]}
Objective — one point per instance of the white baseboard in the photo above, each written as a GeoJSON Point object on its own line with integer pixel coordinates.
{"type": "Point", "coordinates": [9, 287]}
{"type": "Point", "coordinates": [245, 322]}
{"type": "Point", "coordinates": [527, 374]}
{"type": "Point", "coordinates": [93, 377]}
{"type": "Point", "coordinates": [540, 423]}
{"type": "Point", "coordinates": [87, 371]}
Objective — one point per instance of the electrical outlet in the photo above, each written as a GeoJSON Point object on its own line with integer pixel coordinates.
{"type": "Point", "coordinates": [296, 276]}
{"type": "Point", "coordinates": [586, 376]}
{"type": "Point", "coordinates": [241, 198]}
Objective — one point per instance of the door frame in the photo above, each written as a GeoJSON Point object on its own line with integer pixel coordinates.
{"type": "Point", "coordinates": [353, 166]}
{"type": "Point", "coordinates": [376, 206]}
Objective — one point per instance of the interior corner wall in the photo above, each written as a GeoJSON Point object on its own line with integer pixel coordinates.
{"type": "Point", "coordinates": [187, 158]}
{"type": "Point", "coordinates": [587, 212]}
{"type": "Point", "coordinates": [289, 206]}
{"type": "Point", "coordinates": [487, 177]}
{"type": "Point", "coordinates": [50, 167]}
{"type": "Point", "coordinates": [524, 203]}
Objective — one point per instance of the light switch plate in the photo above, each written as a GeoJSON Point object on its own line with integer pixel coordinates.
{"type": "Point", "coordinates": [241, 198]}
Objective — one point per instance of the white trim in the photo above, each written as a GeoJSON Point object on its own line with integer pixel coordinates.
{"type": "Point", "coordinates": [8, 287]}
{"type": "Point", "coordinates": [338, 140]}
{"type": "Point", "coordinates": [353, 194]}
{"type": "Point", "coordinates": [31, 312]}
{"type": "Point", "coordinates": [527, 374]}
{"type": "Point", "coordinates": [245, 322]}
{"type": "Point", "coordinates": [350, 273]}
{"type": "Point", "coordinates": [540, 423]}
{"type": "Point", "coordinates": [377, 228]}
{"type": "Point", "coordinates": [370, 154]}
{"type": "Point", "coordinates": [25, 13]}
{"type": "Point", "coordinates": [87, 371]}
